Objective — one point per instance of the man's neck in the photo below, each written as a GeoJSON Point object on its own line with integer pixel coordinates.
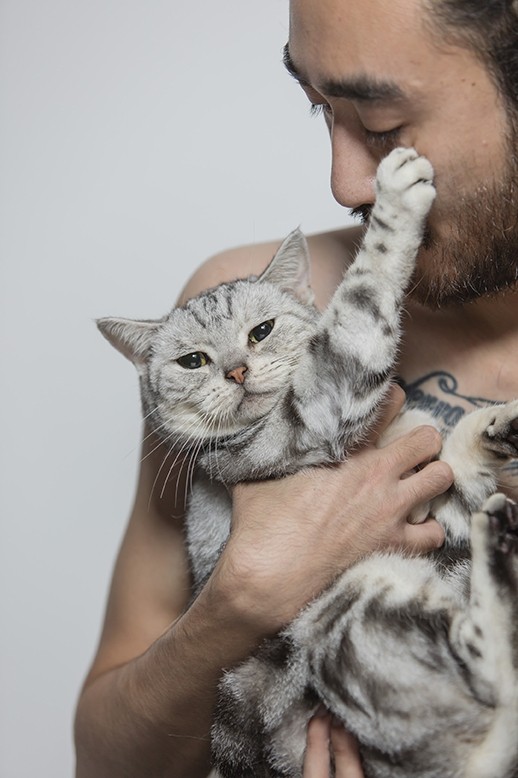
{"type": "Point", "coordinates": [465, 355]}
{"type": "Point", "coordinates": [493, 317]}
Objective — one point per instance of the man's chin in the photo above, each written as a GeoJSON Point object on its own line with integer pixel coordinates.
{"type": "Point", "coordinates": [445, 279]}
{"type": "Point", "coordinates": [431, 284]}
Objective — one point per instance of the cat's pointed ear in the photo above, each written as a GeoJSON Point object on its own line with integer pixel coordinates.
{"type": "Point", "coordinates": [290, 267]}
{"type": "Point", "coordinates": [132, 338]}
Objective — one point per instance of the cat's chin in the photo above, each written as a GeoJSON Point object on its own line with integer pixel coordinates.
{"type": "Point", "coordinates": [253, 405]}
{"type": "Point", "coordinates": [250, 408]}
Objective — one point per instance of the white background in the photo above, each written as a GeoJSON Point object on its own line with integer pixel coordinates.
{"type": "Point", "coordinates": [138, 137]}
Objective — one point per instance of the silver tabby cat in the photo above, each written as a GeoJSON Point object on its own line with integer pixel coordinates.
{"type": "Point", "coordinates": [417, 656]}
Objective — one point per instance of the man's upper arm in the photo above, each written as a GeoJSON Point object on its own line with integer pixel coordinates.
{"type": "Point", "coordinates": [151, 583]}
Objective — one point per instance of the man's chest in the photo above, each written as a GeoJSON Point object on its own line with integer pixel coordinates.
{"type": "Point", "coordinates": [451, 376]}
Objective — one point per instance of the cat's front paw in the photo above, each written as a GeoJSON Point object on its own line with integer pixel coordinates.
{"type": "Point", "coordinates": [502, 514]}
{"type": "Point", "coordinates": [404, 181]}
{"type": "Point", "coordinates": [501, 434]}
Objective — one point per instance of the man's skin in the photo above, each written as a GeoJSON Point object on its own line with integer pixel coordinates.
{"type": "Point", "coordinates": [148, 700]}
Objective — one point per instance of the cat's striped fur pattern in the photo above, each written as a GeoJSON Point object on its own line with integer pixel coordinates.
{"type": "Point", "coordinates": [416, 656]}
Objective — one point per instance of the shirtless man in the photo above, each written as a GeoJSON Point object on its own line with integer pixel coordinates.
{"type": "Point", "coordinates": [385, 73]}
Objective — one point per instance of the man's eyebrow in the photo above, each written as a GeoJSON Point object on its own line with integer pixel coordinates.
{"type": "Point", "coordinates": [360, 88]}
{"type": "Point", "coordinates": [363, 89]}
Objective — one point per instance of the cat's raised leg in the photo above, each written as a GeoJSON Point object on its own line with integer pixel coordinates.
{"type": "Point", "coordinates": [348, 367]}
{"type": "Point", "coordinates": [485, 637]}
{"type": "Point", "coordinates": [404, 195]}
{"type": "Point", "coordinates": [363, 316]}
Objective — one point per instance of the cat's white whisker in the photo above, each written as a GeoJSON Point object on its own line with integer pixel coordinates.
{"type": "Point", "coordinates": [171, 468]}
{"type": "Point", "coordinates": [187, 443]}
{"type": "Point", "coordinates": [157, 476]}
{"type": "Point", "coordinates": [159, 444]}
{"type": "Point", "coordinates": [193, 468]}
{"type": "Point", "coordinates": [190, 455]}
{"type": "Point", "coordinates": [190, 473]}
{"type": "Point", "coordinates": [164, 460]}
{"type": "Point", "coordinates": [144, 439]}
{"type": "Point", "coordinates": [154, 431]}
{"type": "Point", "coordinates": [191, 446]}
{"type": "Point", "coordinates": [214, 443]}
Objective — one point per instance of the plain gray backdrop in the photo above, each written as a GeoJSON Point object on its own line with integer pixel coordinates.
{"type": "Point", "coordinates": [138, 137]}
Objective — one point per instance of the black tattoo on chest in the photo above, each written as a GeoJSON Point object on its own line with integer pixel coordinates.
{"type": "Point", "coordinates": [438, 393]}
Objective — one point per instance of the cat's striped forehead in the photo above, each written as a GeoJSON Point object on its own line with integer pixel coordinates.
{"type": "Point", "coordinates": [227, 313]}
{"type": "Point", "coordinates": [226, 310]}
{"type": "Point", "coordinates": [223, 302]}
{"type": "Point", "coordinates": [233, 300]}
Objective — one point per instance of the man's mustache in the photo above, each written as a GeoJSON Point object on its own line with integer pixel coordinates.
{"type": "Point", "coordinates": [362, 212]}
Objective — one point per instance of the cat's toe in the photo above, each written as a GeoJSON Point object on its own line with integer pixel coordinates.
{"type": "Point", "coordinates": [407, 178]}
{"type": "Point", "coordinates": [501, 435]}
{"type": "Point", "coordinates": [502, 513]}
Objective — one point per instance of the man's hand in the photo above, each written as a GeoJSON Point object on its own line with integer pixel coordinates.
{"type": "Point", "coordinates": [326, 738]}
{"type": "Point", "coordinates": [291, 537]}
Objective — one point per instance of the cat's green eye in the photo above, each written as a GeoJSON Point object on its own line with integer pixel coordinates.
{"type": "Point", "coordinates": [194, 360]}
{"type": "Point", "coordinates": [261, 331]}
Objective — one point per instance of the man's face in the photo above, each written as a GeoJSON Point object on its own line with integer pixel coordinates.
{"type": "Point", "coordinates": [383, 79]}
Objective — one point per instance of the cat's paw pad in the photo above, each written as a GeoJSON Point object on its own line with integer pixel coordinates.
{"type": "Point", "coordinates": [501, 435]}
{"type": "Point", "coordinates": [405, 180]}
{"type": "Point", "coordinates": [502, 514]}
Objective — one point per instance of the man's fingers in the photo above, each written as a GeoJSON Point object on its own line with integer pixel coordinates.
{"type": "Point", "coordinates": [317, 762]}
{"type": "Point", "coordinates": [419, 445]}
{"type": "Point", "coordinates": [321, 735]}
{"type": "Point", "coordinates": [424, 537]}
{"type": "Point", "coordinates": [424, 485]}
{"type": "Point", "coordinates": [345, 750]}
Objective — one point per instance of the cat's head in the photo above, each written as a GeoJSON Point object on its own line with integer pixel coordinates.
{"type": "Point", "coordinates": [220, 362]}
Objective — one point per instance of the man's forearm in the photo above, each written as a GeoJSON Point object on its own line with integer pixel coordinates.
{"type": "Point", "coordinates": [152, 716]}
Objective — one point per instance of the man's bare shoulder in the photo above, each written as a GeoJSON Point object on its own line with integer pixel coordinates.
{"type": "Point", "coordinates": [331, 252]}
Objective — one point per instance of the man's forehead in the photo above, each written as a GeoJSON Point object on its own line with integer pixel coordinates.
{"type": "Point", "coordinates": [320, 28]}
{"type": "Point", "coordinates": [368, 10]}
{"type": "Point", "coordinates": [360, 87]}
{"type": "Point", "coordinates": [334, 42]}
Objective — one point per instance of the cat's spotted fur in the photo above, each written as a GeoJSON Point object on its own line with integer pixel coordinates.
{"type": "Point", "coordinates": [417, 656]}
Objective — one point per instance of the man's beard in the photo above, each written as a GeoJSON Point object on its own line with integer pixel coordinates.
{"type": "Point", "coordinates": [480, 255]}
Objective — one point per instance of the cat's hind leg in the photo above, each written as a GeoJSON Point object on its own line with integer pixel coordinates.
{"type": "Point", "coordinates": [264, 705]}
{"type": "Point", "coordinates": [485, 637]}
{"type": "Point", "coordinates": [478, 449]}
{"type": "Point", "coordinates": [501, 434]}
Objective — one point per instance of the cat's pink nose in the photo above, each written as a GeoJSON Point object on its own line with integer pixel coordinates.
{"type": "Point", "coordinates": [237, 374]}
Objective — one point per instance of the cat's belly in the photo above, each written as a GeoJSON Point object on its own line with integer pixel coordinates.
{"type": "Point", "coordinates": [379, 647]}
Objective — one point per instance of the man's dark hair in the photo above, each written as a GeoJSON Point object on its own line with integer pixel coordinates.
{"type": "Point", "coordinates": [490, 28]}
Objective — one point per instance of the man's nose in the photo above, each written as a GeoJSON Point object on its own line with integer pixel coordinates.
{"type": "Point", "coordinates": [353, 169]}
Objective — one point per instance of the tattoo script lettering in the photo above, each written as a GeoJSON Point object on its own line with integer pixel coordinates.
{"type": "Point", "coordinates": [438, 393]}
